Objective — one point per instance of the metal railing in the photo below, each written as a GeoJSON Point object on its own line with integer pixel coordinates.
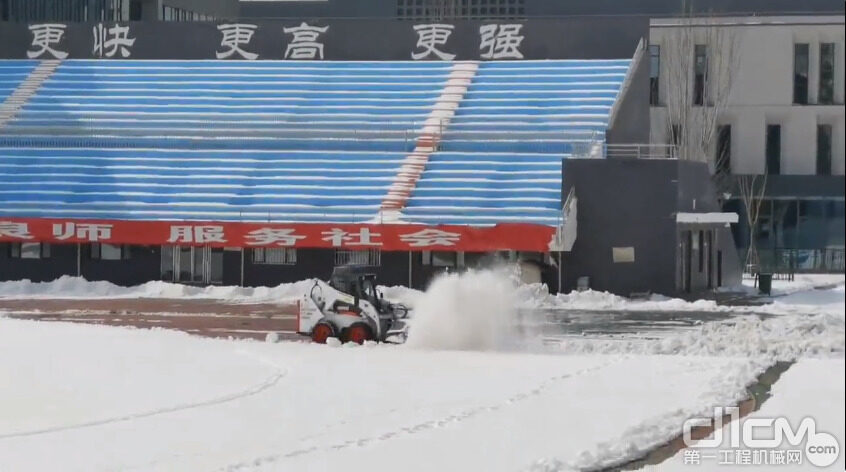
{"type": "Point", "coordinates": [791, 261]}
{"type": "Point", "coordinates": [367, 257]}
{"type": "Point", "coordinates": [641, 151]}
{"type": "Point", "coordinates": [284, 130]}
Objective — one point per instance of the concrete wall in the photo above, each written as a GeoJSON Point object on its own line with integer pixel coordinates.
{"type": "Point", "coordinates": [350, 39]}
{"type": "Point", "coordinates": [629, 125]}
{"type": "Point", "coordinates": [622, 203]}
{"type": "Point", "coordinates": [762, 92]}
{"type": "Point", "coordinates": [632, 203]}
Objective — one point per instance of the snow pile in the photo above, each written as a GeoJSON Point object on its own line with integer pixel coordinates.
{"type": "Point", "coordinates": [67, 287]}
{"type": "Point", "coordinates": [401, 294]}
{"type": "Point", "coordinates": [537, 296]}
{"type": "Point", "coordinates": [526, 296]}
{"type": "Point", "coordinates": [475, 310]}
{"type": "Point", "coordinates": [77, 288]}
{"type": "Point", "coordinates": [772, 339]}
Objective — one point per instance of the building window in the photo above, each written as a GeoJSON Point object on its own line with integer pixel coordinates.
{"type": "Point", "coordinates": [654, 71]}
{"type": "Point", "coordinates": [135, 10]}
{"type": "Point", "coordinates": [427, 10]}
{"type": "Point", "coordinates": [275, 256]}
{"type": "Point", "coordinates": [800, 74]}
{"type": "Point", "coordinates": [369, 257]}
{"type": "Point", "coordinates": [773, 149]}
{"type": "Point", "coordinates": [823, 149]}
{"type": "Point", "coordinates": [826, 94]}
{"type": "Point", "coordinates": [4, 10]}
{"type": "Point", "coordinates": [722, 161]}
{"type": "Point", "coordinates": [29, 250]}
{"type": "Point", "coordinates": [443, 258]}
{"type": "Point", "coordinates": [700, 73]}
{"type": "Point", "coordinates": [109, 252]}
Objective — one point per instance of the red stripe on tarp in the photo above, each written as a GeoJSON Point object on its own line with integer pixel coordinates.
{"type": "Point", "coordinates": [387, 237]}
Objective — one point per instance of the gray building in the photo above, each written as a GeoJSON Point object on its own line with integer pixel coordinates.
{"type": "Point", "coordinates": [775, 111]}
{"type": "Point", "coordinates": [116, 10]}
{"type": "Point", "coordinates": [509, 9]}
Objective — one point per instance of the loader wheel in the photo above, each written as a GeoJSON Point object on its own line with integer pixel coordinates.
{"type": "Point", "coordinates": [321, 332]}
{"type": "Point", "coordinates": [358, 333]}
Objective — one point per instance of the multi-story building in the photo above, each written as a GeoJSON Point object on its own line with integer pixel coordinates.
{"type": "Point", "coordinates": [424, 10]}
{"type": "Point", "coordinates": [116, 10]}
{"type": "Point", "coordinates": [777, 113]}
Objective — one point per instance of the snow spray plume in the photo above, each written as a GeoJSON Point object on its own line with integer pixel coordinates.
{"type": "Point", "coordinates": [476, 310]}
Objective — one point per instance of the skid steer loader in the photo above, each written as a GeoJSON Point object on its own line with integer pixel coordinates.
{"type": "Point", "coordinates": [350, 308]}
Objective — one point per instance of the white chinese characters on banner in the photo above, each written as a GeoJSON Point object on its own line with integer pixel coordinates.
{"type": "Point", "coordinates": [271, 236]}
{"type": "Point", "coordinates": [196, 234]}
{"type": "Point", "coordinates": [501, 41]}
{"type": "Point", "coordinates": [430, 237]}
{"type": "Point", "coordinates": [339, 237]}
{"type": "Point", "coordinates": [304, 44]}
{"type": "Point", "coordinates": [429, 37]}
{"type": "Point", "coordinates": [236, 35]}
{"type": "Point", "coordinates": [44, 37]}
{"type": "Point", "coordinates": [88, 231]}
{"type": "Point", "coordinates": [14, 230]}
{"type": "Point", "coordinates": [109, 41]}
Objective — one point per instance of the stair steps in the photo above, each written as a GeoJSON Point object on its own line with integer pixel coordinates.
{"type": "Point", "coordinates": [13, 104]}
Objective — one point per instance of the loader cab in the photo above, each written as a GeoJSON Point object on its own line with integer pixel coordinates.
{"type": "Point", "coordinates": [358, 282]}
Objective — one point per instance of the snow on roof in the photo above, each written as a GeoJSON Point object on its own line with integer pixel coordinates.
{"type": "Point", "coordinates": [707, 218]}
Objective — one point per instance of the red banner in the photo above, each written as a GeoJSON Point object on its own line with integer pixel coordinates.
{"type": "Point", "coordinates": [387, 237]}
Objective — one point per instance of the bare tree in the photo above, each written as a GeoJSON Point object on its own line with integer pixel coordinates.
{"type": "Point", "coordinates": [698, 87]}
{"type": "Point", "coordinates": [752, 189]}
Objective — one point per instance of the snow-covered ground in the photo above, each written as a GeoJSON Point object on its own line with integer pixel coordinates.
{"type": "Point", "coordinates": [812, 388]}
{"type": "Point", "coordinates": [96, 398]}
{"type": "Point", "coordinates": [81, 397]}
{"type": "Point", "coordinates": [800, 282]}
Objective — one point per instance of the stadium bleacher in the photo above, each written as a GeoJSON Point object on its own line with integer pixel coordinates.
{"type": "Point", "coordinates": [297, 141]}
{"type": "Point", "coordinates": [12, 73]}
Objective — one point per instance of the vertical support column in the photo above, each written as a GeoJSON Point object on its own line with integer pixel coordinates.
{"type": "Point", "coordinates": [560, 270]}
{"type": "Point", "coordinates": [410, 268]}
{"type": "Point", "coordinates": [79, 259]}
{"type": "Point", "coordinates": [242, 267]}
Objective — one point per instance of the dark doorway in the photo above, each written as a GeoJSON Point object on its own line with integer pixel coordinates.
{"type": "Point", "coordinates": [192, 265]}
{"type": "Point", "coordinates": [719, 268]}
{"type": "Point", "coordinates": [686, 259]}
{"type": "Point", "coordinates": [709, 240]}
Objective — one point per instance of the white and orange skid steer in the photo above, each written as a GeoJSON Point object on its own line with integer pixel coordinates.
{"type": "Point", "coordinates": [349, 307]}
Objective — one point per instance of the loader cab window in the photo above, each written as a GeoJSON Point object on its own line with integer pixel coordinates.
{"type": "Point", "coordinates": [368, 290]}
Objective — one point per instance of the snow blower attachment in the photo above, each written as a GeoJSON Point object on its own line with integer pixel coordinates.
{"type": "Point", "coordinates": [351, 309]}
